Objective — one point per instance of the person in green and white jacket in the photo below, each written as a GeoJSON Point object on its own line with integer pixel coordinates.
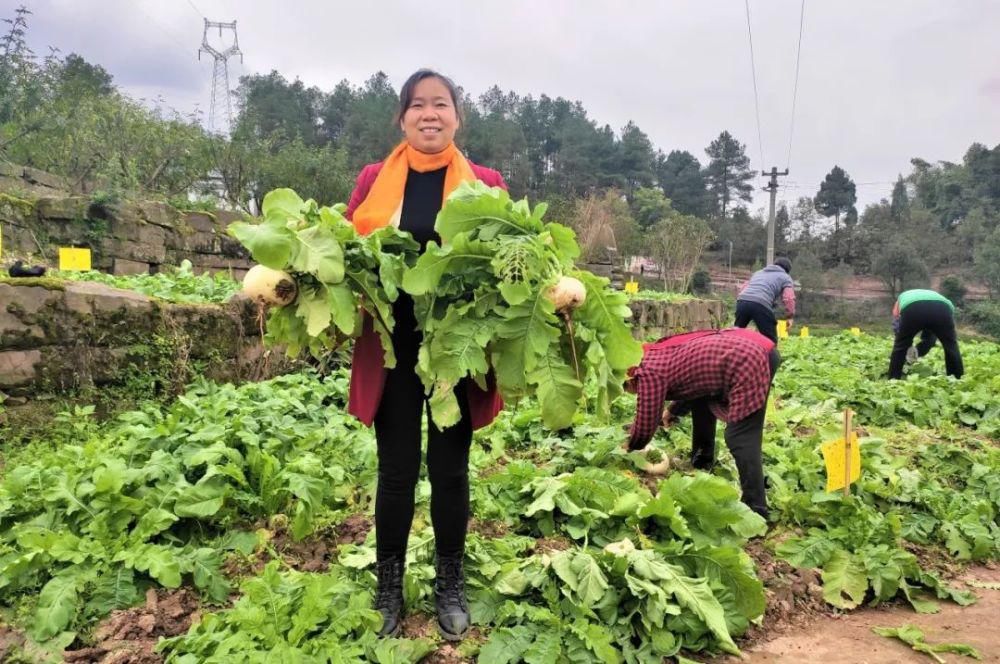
{"type": "Point", "coordinates": [933, 316]}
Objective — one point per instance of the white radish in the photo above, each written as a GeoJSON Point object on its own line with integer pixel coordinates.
{"type": "Point", "coordinates": [658, 463]}
{"type": "Point", "coordinates": [621, 548]}
{"type": "Point", "coordinates": [567, 294]}
{"type": "Point", "coordinates": [270, 286]}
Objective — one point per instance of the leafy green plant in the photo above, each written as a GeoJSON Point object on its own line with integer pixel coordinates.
{"type": "Point", "coordinates": [484, 304]}
{"type": "Point", "coordinates": [179, 284]}
{"type": "Point", "coordinates": [914, 637]}
{"type": "Point", "coordinates": [294, 617]}
{"type": "Point", "coordinates": [661, 296]}
{"type": "Point", "coordinates": [96, 522]}
{"type": "Point", "coordinates": [571, 553]}
{"type": "Point", "coordinates": [339, 273]}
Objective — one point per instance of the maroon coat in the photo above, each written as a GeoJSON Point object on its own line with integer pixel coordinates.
{"type": "Point", "coordinates": [368, 370]}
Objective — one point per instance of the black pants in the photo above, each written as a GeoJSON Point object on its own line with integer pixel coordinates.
{"type": "Point", "coordinates": [762, 317]}
{"type": "Point", "coordinates": [933, 320]}
{"type": "Point", "coordinates": [744, 440]}
{"type": "Point", "coordinates": [398, 434]}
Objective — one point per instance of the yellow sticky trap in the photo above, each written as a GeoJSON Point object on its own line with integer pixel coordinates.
{"type": "Point", "coordinates": [632, 287]}
{"type": "Point", "coordinates": [74, 259]}
{"type": "Point", "coordinates": [804, 331]}
{"type": "Point", "coordinates": [782, 329]}
{"type": "Point", "coordinates": [835, 456]}
{"type": "Point", "coordinates": [856, 331]}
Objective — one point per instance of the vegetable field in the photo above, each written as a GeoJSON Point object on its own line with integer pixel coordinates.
{"type": "Point", "coordinates": [180, 284]}
{"type": "Point", "coordinates": [253, 503]}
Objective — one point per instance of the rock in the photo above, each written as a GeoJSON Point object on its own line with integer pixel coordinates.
{"type": "Point", "coordinates": [123, 266]}
{"type": "Point", "coordinates": [135, 251]}
{"type": "Point", "coordinates": [94, 654]}
{"type": "Point", "coordinates": [203, 243]}
{"type": "Point", "coordinates": [147, 623]}
{"type": "Point", "coordinates": [201, 222]}
{"type": "Point", "coordinates": [61, 342]}
{"type": "Point", "coordinates": [70, 208]}
{"type": "Point", "coordinates": [36, 176]}
{"type": "Point", "coordinates": [158, 214]}
{"type": "Point", "coordinates": [18, 367]}
{"type": "Point", "coordinates": [16, 334]}
{"type": "Point", "coordinates": [225, 217]}
{"type": "Point", "coordinates": [19, 326]}
{"type": "Point", "coordinates": [87, 297]}
{"type": "Point", "coordinates": [151, 235]}
{"type": "Point", "coordinates": [27, 299]}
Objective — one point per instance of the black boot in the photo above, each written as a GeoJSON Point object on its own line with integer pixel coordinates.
{"type": "Point", "coordinates": [389, 596]}
{"type": "Point", "coordinates": [449, 598]}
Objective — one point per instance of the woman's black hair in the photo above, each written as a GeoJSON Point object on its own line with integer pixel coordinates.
{"type": "Point", "coordinates": [406, 92]}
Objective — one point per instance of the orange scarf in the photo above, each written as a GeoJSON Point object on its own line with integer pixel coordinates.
{"type": "Point", "coordinates": [384, 203]}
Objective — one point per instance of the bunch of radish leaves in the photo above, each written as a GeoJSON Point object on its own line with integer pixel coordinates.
{"type": "Point", "coordinates": [483, 305]}
{"type": "Point", "coordinates": [339, 273]}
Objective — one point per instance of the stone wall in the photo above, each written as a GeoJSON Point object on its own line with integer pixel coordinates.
{"type": "Point", "coordinates": [65, 341]}
{"type": "Point", "coordinates": [63, 336]}
{"type": "Point", "coordinates": [652, 319]}
{"type": "Point", "coordinates": [125, 237]}
{"type": "Point", "coordinates": [32, 183]}
{"type": "Point", "coordinates": [62, 340]}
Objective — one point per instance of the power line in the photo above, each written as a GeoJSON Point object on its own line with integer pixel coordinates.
{"type": "Point", "coordinates": [185, 48]}
{"type": "Point", "coordinates": [195, 8]}
{"type": "Point", "coordinates": [753, 72]}
{"type": "Point", "coordinates": [795, 88]}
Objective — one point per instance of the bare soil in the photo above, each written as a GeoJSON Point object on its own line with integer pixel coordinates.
{"type": "Point", "coordinates": [794, 596]}
{"type": "Point", "coordinates": [129, 636]}
{"type": "Point", "coordinates": [847, 638]}
{"type": "Point", "coordinates": [488, 528]}
{"type": "Point", "coordinates": [421, 625]}
{"type": "Point", "coordinates": [312, 554]}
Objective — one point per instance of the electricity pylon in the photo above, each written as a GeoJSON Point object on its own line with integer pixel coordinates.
{"type": "Point", "coordinates": [220, 74]}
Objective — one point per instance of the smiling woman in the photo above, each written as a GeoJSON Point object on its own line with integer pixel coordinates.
{"type": "Point", "coordinates": [428, 112]}
{"type": "Point", "coordinates": [407, 190]}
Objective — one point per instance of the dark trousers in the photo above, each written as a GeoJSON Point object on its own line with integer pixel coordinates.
{"type": "Point", "coordinates": [933, 321]}
{"type": "Point", "coordinates": [398, 435]}
{"type": "Point", "coordinates": [761, 316]}
{"type": "Point", "coordinates": [744, 440]}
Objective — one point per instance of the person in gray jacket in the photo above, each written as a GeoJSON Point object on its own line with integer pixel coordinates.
{"type": "Point", "coordinates": [761, 293]}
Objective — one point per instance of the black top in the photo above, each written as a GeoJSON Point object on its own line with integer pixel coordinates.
{"type": "Point", "coordinates": [421, 203]}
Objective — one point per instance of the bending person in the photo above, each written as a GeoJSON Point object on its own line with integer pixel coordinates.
{"type": "Point", "coordinates": [761, 293]}
{"type": "Point", "coordinates": [932, 315]}
{"type": "Point", "coordinates": [714, 375]}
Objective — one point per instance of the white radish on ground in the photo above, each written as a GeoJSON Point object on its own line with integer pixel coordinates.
{"type": "Point", "coordinates": [658, 468]}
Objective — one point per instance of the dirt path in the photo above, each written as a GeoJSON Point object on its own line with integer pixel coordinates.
{"type": "Point", "coordinates": [848, 639]}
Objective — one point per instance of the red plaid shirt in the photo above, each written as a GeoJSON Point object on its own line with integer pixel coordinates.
{"type": "Point", "coordinates": [729, 365]}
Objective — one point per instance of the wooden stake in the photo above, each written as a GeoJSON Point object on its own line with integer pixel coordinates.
{"type": "Point", "coordinates": [847, 452]}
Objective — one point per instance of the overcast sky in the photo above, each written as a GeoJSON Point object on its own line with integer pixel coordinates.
{"type": "Point", "coordinates": [880, 81]}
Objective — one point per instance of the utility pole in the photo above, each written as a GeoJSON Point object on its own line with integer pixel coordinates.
{"type": "Point", "coordinates": [772, 187]}
{"type": "Point", "coordinates": [220, 72]}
